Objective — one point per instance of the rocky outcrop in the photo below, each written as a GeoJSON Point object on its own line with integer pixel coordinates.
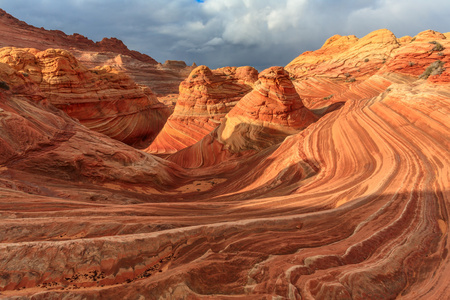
{"type": "Point", "coordinates": [205, 98]}
{"type": "Point", "coordinates": [102, 99]}
{"type": "Point", "coordinates": [346, 57]}
{"type": "Point", "coordinates": [350, 68]}
{"type": "Point", "coordinates": [162, 79]}
{"type": "Point", "coordinates": [37, 137]}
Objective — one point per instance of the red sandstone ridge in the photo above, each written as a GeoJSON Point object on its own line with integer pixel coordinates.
{"type": "Point", "coordinates": [162, 79]}
{"type": "Point", "coordinates": [102, 99]}
{"type": "Point", "coordinates": [19, 34]}
{"type": "Point", "coordinates": [205, 98]}
{"type": "Point", "coordinates": [353, 204]}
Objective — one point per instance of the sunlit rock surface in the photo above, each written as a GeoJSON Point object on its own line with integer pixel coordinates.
{"type": "Point", "coordinates": [352, 202]}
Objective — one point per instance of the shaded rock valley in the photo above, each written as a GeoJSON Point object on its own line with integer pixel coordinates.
{"type": "Point", "coordinates": [327, 178]}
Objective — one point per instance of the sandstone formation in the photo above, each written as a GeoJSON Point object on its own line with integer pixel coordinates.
{"type": "Point", "coordinates": [205, 98]}
{"type": "Point", "coordinates": [102, 99]}
{"type": "Point", "coordinates": [350, 68]}
{"type": "Point", "coordinates": [264, 117]}
{"type": "Point", "coordinates": [349, 203]}
{"type": "Point", "coordinates": [163, 79]}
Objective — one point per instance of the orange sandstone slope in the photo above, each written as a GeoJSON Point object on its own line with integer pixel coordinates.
{"type": "Point", "coordinates": [102, 99]}
{"type": "Point", "coordinates": [163, 79]}
{"type": "Point", "coordinates": [350, 68]}
{"type": "Point", "coordinates": [205, 98]}
{"type": "Point", "coordinates": [354, 206]}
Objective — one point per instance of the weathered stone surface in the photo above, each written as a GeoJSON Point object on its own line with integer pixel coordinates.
{"type": "Point", "coordinates": [264, 117]}
{"type": "Point", "coordinates": [102, 99]}
{"type": "Point", "coordinates": [272, 111]}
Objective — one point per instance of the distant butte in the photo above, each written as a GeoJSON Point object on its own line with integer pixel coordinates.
{"type": "Point", "coordinates": [324, 179]}
{"type": "Point", "coordinates": [162, 79]}
{"type": "Point", "coordinates": [22, 35]}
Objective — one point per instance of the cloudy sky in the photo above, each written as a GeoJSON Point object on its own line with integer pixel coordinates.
{"type": "Point", "coordinates": [216, 33]}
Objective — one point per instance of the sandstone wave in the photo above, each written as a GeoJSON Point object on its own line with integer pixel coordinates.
{"type": "Point", "coordinates": [296, 194]}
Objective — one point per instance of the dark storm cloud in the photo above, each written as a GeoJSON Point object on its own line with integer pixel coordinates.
{"type": "Point", "coordinates": [260, 33]}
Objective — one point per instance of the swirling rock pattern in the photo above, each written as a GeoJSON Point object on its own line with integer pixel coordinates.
{"type": "Point", "coordinates": [205, 98]}
{"type": "Point", "coordinates": [354, 206]}
{"type": "Point", "coordinates": [102, 99]}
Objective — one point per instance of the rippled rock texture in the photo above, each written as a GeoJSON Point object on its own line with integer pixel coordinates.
{"type": "Point", "coordinates": [338, 198]}
{"type": "Point", "coordinates": [103, 99]}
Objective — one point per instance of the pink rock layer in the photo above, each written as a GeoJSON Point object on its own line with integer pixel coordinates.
{"type": "Point", "coordinates": [350, 68]}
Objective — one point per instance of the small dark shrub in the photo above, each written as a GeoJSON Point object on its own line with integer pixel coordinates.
{"type": "Point", "coordinates": [435, 68]}
{"type": "Point", "coordinates": [437, 46]}
{"type": "Point", "coordinates": [351, 79]}
{"type": "Point", "coordinates": [366, 60]}
{"type": "Point", "coordinates": [347, 75]}
{"type": "Point", "coordinates": [328, 97]}
{"type": "Point", "coordinates": [411, 63]}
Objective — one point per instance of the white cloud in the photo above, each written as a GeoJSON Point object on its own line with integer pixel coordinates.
{"type": "Point", "coordinates": [253, 22]}
{"type": "Point", "coordinates": [403, 17]}
{"type": "Point", "coordinates": [215, 42]}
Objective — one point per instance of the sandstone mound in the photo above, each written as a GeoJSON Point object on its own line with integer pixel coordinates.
{"type": "Point", "coordinates": [102, 99]}
{"type": "Point", "coordinates": [205, 98]}
{"type": "Point", "coordinates": [272, 111]}
{"type": "Point", "coordinates": [38, 138]}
